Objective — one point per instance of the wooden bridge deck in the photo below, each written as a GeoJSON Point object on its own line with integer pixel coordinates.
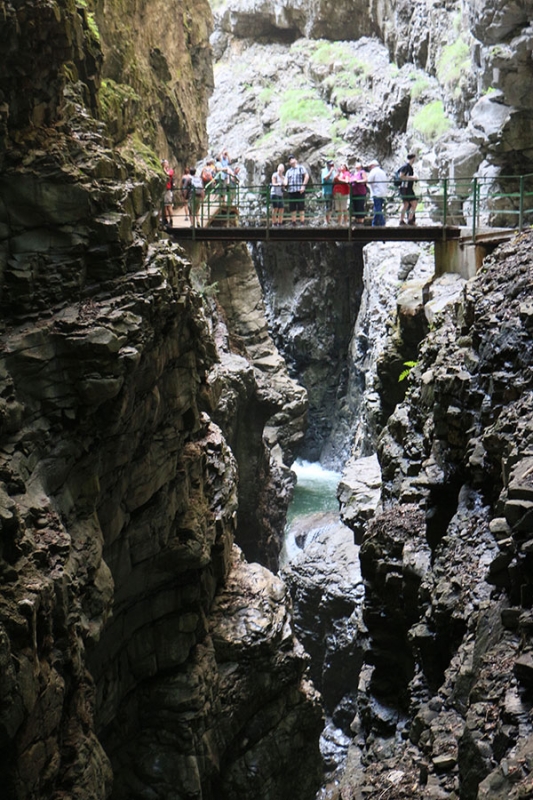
{"type": "Point", "coordinates": [362, 234]}
{"type": "Point", "coordinates": [220, 227]}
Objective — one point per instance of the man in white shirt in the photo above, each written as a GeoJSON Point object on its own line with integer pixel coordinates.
{"type": "Point", "coordinates": [378, 183]}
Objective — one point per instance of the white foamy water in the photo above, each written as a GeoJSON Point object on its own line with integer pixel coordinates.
{"type": "Point", "coordinates": [314, 505]}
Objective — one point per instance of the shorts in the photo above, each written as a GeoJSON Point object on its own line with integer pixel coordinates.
{"type": "Point", "coordinates": [168, 197]}
{"type": "Point", "coordinates": [341, 201]}
{"type": "Point", "coordinates": [407, 195]}
{"type": "Point", "coordinates": [277, 202]}
{"type": "Point", "coordinates": [296, 201]}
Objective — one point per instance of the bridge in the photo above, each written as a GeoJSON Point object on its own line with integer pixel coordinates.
{"type": "Point", "coordinates": [464, 218]}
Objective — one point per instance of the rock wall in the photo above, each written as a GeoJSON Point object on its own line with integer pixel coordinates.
{"type": "Point", "coordinates": [447, 80]}
{"type": "Point", "coordinates": [444, 699]}
{"type": "Point", "coordinates": [140, 653]}
{"type": "Point", "coordinates": [261, 409]}
{"type": "Point", "coordinates": [313, 296]}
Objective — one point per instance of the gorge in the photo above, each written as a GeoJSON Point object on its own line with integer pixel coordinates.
{"type": "Point", "coordinates": [154, 398]}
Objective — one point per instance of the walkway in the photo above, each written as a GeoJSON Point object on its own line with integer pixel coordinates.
{"type": "Point", "coordinates": [448, 210]}
{"type": "Point", "coordinates": [361, 234]}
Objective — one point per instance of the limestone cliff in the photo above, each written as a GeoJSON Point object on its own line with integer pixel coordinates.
{"type": "Point", "coordinates": [140, 654]}
{"type": "Point", "coordinates": [448, 80]}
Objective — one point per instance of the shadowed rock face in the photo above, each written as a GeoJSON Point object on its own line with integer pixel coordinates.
{"type": "Point", "coordinates": [313, 296]}
{"type": "Point", "coordinates": [118, 490]}
{"type": "Point", "coordinates": [446, 563]}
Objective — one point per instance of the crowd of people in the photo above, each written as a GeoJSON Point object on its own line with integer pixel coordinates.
{"type": "Point", "coordinates": [217, 175]}
{"type": "Point", "coordinates": [344, 191]}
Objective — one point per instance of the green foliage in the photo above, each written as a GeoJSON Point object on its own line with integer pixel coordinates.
{"type": "Point", "coordinates": [114, 97]}
{"type": "Point", "coordinates": [93, 27]}
{"type": "Point", "coordinates": [431, 121]}
{"type": "Point", "coordinates": [266, 94]}
{"type": "Point", "coordinates": [453, 63]}
{"type": "Point", "coordinates": [342, 86]}
{"type": "Point", "coordinates": [138, 153]}
{"type": "Point", "coordinates": [90, 19]}
{"type": "Point", "coordinates": [339, 127]}
{"type": "Point", "coordinates": [419, 87]}
{"type": "Point", "coordinates": [406, 372]}
{"type": "Point", "coordinates": [339, 54]}
{"type": "Point", "coordinates": [301, 105]}
{"type": "Point", "coordinates": [199, 279]}
{"type": "Point", "coordinates": [265, 139]}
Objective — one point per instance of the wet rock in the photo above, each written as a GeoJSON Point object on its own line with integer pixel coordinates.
{"type": "Point", "coordinates": [359, 493]}
{"type": "Point", "coordinates": [326, 589]}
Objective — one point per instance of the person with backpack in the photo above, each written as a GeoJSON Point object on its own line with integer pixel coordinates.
{"type": "Point", "coordinates": [208, 174]}
{"type": "Point", "coordinates": [358, 194]}
{"type": "Point", "coordinates": [185, 190]}
{"type": "Point", "coordinates": [297, 178]}
{"type": "Point", "coordinates": [196, 195]}
{"type": "Point", "coordinates": [407, 177]}
{"type": "Point", "coordinates": [168, 198]}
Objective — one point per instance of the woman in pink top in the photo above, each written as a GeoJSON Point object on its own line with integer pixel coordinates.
{"type": "Point", "coordinates": [341, 193]}
{"type": "Point", "coordinates": [358, 194]}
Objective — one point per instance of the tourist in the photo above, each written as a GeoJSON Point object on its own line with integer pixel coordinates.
{"type": "Point", "coordinates": [341, 193]}
{"type": "Point", "coordinates": [358, 194]}
{"type": "Point", "coordinates": [297, 178]}
{"type": "Point", "coordinates": [233, 185]}
{"type": "Point", "coordinates": [277, 185]}
{"type": "Point", "coordinates": [208, 173]}
{"type": "Point", "coordinates": [185, 190]}
{"type": "Point", "coordinates": [168, 199]}
{"type": "Point", "coordinates": [196, 196]}
{"type": "Point", "coordinates": [407, 193]}
{"type": "Point", "coordinates": [327, 177]}
{"type": "Point", "coordinates": [224, 158]}
{"type": "Point", "coordinates": [377, 183]}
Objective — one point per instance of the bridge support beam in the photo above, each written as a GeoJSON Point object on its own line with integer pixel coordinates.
{"type": "Point", "coordinates": [459, 256]}
{"type": "Point", "coordinates": [466, 255]}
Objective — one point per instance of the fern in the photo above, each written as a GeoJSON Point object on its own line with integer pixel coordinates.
{"type": "Point", "coordinates": [406, 372]}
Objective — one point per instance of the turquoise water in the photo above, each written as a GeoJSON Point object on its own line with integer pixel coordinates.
{"type": "Point", "coordinates": [316, 490]}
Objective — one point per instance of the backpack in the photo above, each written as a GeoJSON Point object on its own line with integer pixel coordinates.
{"type": "Point", "coordinates": [170, 180]}
{"type": "Point", "coordinates": [207, 176]}
{"type": "Point", "coordinates": [397, 181]}
{"type": "Point", "coordinates": [198, 185]}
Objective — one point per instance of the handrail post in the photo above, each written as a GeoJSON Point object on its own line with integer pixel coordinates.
{"type": "Point", "coordinates": [521, 206]}
{"type": "Point", "coordinates": [268, 214]}
{"type": "Point", "coordinates": [193, 207]}
{"type": "Point", "coordinates": [350, 215]}
{"type": "Point", "coordinates": [445, 207]}
{"type": "Point", "coordinates": [474, 209]}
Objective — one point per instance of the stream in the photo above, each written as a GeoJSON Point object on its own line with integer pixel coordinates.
{"type": "Point", "coordinates": [320, 564]}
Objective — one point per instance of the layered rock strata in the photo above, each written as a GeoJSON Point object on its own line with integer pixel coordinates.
{"type": "Point", "coordinates": [141, 655]}
{"type": "Point", "coordinates": [444, 701]}
{"type": "Point", "coordinates": [313, 296]}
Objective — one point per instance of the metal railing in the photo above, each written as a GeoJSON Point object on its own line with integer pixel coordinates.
{"type": "Point", "coordinates": [477, 203]}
